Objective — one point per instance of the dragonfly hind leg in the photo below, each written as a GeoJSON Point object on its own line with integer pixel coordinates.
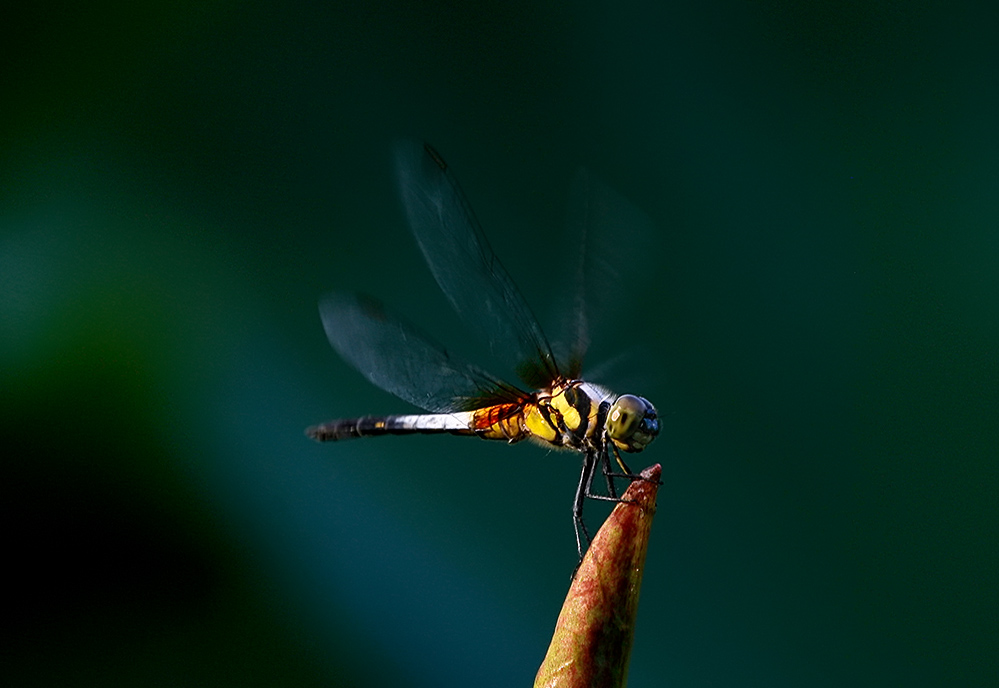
{"type": "Point", "coordinates": [582, 492]}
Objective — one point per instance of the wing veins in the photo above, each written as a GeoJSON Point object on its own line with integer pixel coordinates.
{"type": "Point", "coordinates": [465, 266]}
{"type": "Point", "coordinates": [403, 361]}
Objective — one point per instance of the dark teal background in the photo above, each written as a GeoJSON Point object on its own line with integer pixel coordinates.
{"type": "Point", "coordinates": [816, 320]}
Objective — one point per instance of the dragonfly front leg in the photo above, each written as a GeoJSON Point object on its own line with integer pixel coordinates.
{"type": "Point", "coordinates": [620, 462]}
{"type": "Point", "coordinates": [609, 475]}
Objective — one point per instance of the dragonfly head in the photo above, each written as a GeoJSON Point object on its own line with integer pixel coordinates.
{"type": "Point", "coordinates": [632, 423]}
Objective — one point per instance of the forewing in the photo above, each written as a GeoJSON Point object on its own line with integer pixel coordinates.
{"type": "Point", "coordinates": [613, 243]}
{"type": "Point", "coordinates": [465, 266]}
{"type": "Point", "coordinates": [396, 357]}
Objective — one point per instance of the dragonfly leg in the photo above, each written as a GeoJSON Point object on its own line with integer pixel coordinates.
{"type": "Point", "coordinates": [605, 465]}
{"type": "Point", "coordinates": [609, 475]}
{"type": "Point", "coordinates": [627, 471]}
{"type": "Point", "coordinates": [582, 492]}
{"type": "Point", "coordinates": [620, 461]}
{"type": "Point", "coordinates": [589, 483]}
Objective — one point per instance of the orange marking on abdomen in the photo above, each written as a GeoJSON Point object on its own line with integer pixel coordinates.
{"type": "Point", "coordinates": [500, 422]}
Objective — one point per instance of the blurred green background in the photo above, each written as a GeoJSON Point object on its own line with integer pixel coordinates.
{"type": "Point", "coordinates": [816, 320]}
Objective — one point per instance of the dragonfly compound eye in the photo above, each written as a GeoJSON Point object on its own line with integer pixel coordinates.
{"type": "Point", "coordinates": [632, 423]}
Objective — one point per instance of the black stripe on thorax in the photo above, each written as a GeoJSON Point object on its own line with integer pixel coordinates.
{"type": "Point", "coordinates": [602, 411]}
{"type": "Point", "coordinates": [581, 402]}
{"type": "Point", "coordinates": [557, 425]}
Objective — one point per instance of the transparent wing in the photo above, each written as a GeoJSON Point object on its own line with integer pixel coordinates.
{"type": "Point", "coordinates": [396, 357]}
{"type": "Point", "coordinates": [613, 241]}
{"type": "Point", "coordinates": [465, 267]}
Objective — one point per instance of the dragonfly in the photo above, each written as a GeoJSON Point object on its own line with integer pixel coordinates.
{"type": "Point", "coordinates": [557, 409]}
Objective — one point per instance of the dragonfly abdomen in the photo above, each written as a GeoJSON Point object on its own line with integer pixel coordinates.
{"type": "Point", "coordinates": [372, 426]}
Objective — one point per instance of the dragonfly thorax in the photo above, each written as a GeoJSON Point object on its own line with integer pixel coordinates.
{"type": "Point", "coordinates": [570, 415]}
{"type": "Point", "coordinates": [580, 415]}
